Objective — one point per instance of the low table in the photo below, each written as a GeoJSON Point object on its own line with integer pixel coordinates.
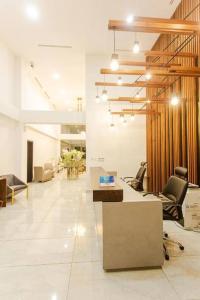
{"type": "Point", "coordinates": [3, 191]}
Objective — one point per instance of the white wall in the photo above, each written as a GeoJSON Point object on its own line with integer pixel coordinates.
{"type": "Point", "coordinates": [18, 89]}
{"type": "Point", "coordinates": [122, 148]}
{"type": "Point", "coordinates": [9, 105]}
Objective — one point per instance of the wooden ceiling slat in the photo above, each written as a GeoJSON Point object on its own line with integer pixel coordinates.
{"type": "Point", "coordinates": [156, 25]}
{"type": "Point", "coordinates": [170, 72]}
{"type": "Point", "coordinates": [143, 84]}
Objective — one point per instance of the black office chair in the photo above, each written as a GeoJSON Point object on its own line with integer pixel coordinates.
{"type": "Point", "coordinates": [137, 182]}
{"type": "Point", "coordinates": [172, 197]}
{"type": "Point", "coordinates": [174, 193]}
{"type": "Point", "coordinates": [181, 172]}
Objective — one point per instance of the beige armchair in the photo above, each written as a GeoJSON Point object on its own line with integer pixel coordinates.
{"type": "Point", "coordinates": [49, 167]}
{"type": "Point", "coordinates": [41, 174]}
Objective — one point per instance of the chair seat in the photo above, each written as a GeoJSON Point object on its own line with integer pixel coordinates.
{"type": "Point", "coordinates": [170, 213]}
{"type": "Point", "coordinates": [18, 187]}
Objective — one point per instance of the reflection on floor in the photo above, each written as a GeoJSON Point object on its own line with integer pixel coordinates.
{"type": "Point", "coordinates": [50, 248]}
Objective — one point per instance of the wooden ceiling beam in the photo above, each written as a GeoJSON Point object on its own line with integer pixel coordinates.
{"type": "Point", "coordinates": [146, 64]}
{"type": "Point", "coordinates": [140, 100]}
{"type": "Point", "coordinates": [168, 54]}
{"type": "Point", "coordinates": [156, 25]}
{"type": "Point", "coordinates": [135, 112]}
{"type": "Point", "coordinates": [143, 84]}
{"type": "Point", "coordinates": [170, 72]}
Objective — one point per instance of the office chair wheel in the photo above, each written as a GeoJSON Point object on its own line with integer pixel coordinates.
{"type": "Point", "coordinates": [181, 247]}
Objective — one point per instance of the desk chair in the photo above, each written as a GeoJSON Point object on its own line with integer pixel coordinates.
{"type": "Point", "coordinates": [172, 197]}
{"type": "Point", "coordinates": [181, 172]}
{"type": "Point", "coordinates": [137, 182]}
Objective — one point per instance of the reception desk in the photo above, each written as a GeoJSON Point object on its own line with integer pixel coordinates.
{"type": "Point", "coordinates": [131, 231]}
{"type": "Point", "coordinates": [104, 194]}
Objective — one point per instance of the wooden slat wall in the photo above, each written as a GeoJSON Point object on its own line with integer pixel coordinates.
{"type": "Point", "coordinates": [172, 136]}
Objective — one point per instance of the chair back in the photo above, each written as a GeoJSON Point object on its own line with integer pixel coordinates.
{"type": "Point", "coordinates": [181, 172]}
{"type": "Point", "coordinates": [175, 190]}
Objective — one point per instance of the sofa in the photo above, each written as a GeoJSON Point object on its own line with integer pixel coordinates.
{"type": "Point", "coordinates": [42, 174]}
{"type": "Point", "coordinates": [49, 166]}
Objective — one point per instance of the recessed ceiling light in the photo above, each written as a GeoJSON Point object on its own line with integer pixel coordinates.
{"type": "Point", "coordinates": [32, 12]}
{"type": "Point", "coordinates": [129, 19]}
{"type": "Point", "coordinates": [56, 76]}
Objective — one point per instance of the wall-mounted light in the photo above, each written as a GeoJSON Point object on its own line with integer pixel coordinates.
{"type": "Point", "coordinates": [148, 101]}
{"type": "Point", "coordinates": [175, 100]}
{"type": "Point", "coordinates": [114, 65]}
{"type": "Point", "coordinates": [119, 81]}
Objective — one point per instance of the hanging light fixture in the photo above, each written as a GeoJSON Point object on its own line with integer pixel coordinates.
{"type": "Point", "coordinates": [122, 118]}
{"type": "Point", "coordinates": [136, 45]}
{"type": "Point", "coordinates": [119, 81]}
{"type": "Point", "coordinates": [130, 19]}
{"type": "Point", "coordinates": [97, 99]}
{"type": "Point", "coordinates": [175, 100]}
{"type": "Point", "coordinates": [132, 117]}
{"type": "Point", "coordinates": [104, 95]}
{"type": "Point", "coordinates": [137, 95]}
{"type": "Point", "coordinates": [148, 75]}
{"type": "Point", "coordinates": [124, 121]}
{"type": "Point", "coordinates": [114, 65]}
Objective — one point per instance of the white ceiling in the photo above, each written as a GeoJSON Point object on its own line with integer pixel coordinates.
{"type": "Point", "coordinates": [79, 23]}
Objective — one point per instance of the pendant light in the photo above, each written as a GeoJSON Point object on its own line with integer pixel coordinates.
{"type": "Point", "coordinates": [148, 75]}
{"type": "Point", "coordinates": [130, 19]}
{"type": "Point", "coordinates": [97, 99]}
{"type": "Point", "coordinates": [175, 100]}
{"type": "Point", "coordinates": [136, 46]}
{"type": "Point", "coordinates": [104, 95]}
{"type": "Point", "coordinates": [137, 95]}
{"type": "Point", "coordinates": [114, 65]}
{"type": "Point", "coordinates": [132, 117]}
{"type": "Point", "coordinates": [119, 81]}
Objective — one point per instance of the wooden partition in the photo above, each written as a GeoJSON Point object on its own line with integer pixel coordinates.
{"type": "Point", "coordinates": [172, 135]}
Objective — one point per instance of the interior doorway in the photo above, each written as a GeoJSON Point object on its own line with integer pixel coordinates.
{"type": "Point", "coordinates": [29, 161]}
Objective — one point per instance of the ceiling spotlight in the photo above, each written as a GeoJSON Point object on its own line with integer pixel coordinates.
{"type": "Point", "coordinates": [136, 47]}
{"type": "Point", "coordinates": [104, 95]}
{"type": "Point", "coordinates": [129, 19]}
{"type": "Point", "coordinates": [148, 76]}
{"type": "Point", "coordinates": [114, 65]}
{"type": "Point", "coordinates": [119, 81]}
{"type": "Point", "coordinates": [32, 12]}
{"type": "Point", "coordinates": [175, 100]}
{"type": "Point", "coordinates": [56, 76]}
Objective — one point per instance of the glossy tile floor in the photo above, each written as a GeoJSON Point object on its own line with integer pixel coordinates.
{"type": "Point", "coordinates": [50, 248]}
